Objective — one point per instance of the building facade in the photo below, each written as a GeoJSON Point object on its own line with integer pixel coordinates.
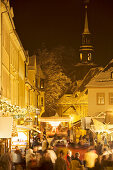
{"type": "Point", "coordinates": [100, 93]}
{"type": "Point", "coordinates": [19, 73]}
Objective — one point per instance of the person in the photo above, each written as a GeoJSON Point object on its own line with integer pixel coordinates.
{"type": "Point", "coordinates": [45, 162]}
{"type": "Point", "coordinates": [60, 163]}
{"type": "Point", "coordinates": [99, 148]}
{"type": "Point", "coordinates": [6, 160]}
{"type": "Point", "coordinates": [32, 164]}
{"type": "Point", "coordinates": [44, 144]}
{"type": "Point", "coordinates": [90, 158]}
{"type": "Point", "coordinates": [68, 158]}
{"type": "Point", "coordinates": [28, 156]}
{"type": "Point", "coordinates": [104, 162]}
{"type": "Point", "coordinates": [52, 155]}
{"type": "Point", "coordinates": [17, 158]}
{"type": "Point", "coordinates": [76, 163]}
{"type": "Point", "coordinates": [77, 157]}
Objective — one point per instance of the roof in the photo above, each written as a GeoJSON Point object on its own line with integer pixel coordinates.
{"type": "Point", "coordinates": [91, 73]}
{"type": "Point", "coordinates": [71, 110]}
{"type": "Point", "coordinates": [28, 128]}
{"type": "Point", "coordinates": [67, 99]}
{"type": "Point", "coordinates": [54, 119]}
{"type": "Point", "coordinates": [86, 29]}
{"type": "Point", "coordinates": [40, 72]}
{"type": "Point", "coordinates": [104, 78]}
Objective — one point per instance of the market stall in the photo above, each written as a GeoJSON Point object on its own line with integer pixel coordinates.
{"type": "Point", "coordinates": [23, 136]}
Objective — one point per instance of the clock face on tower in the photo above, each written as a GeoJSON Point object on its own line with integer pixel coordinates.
{"type": "Point", "coordinates": [89, 56]}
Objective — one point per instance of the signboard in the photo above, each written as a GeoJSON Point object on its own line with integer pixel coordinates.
{"type": "Point", "coordinates": [6, 124]}
{"type": "Point", "coordinates": [38, 111]}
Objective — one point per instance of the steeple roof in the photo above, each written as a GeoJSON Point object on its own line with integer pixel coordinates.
{"type": "Point", "coordinates": [86, 28]}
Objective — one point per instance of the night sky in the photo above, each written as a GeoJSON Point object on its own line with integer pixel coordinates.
{"type": "Point", "coordinates": [60, 22]}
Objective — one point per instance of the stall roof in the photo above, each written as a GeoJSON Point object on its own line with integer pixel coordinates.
{"type": "Point", "coordinates": [28, 128]}
{"type": "Point", "coordinates": [54, 119]}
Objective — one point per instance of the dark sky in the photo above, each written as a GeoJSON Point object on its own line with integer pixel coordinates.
{"type": "Point", "coordinates": [60, 22]}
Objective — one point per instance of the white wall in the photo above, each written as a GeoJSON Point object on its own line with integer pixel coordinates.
{"type": "Point", "coordinates": [93, 108]}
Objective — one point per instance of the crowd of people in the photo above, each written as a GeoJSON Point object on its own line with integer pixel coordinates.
{"type": "Point", "coordinates": [42, 156]}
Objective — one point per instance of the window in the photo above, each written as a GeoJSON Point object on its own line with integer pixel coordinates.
{"type": "Point", "coordinates": [100, 98]}
{"type": "Point", "coordinates": [37, 101]}
{"type": "Point", "coordinates": [41, 83]}
{"type": "Point", "coordinates": [25, 70]}
{"type": "Point", "coordinates": [111, 75]}
{"type": "Point", "coordinates": [42, 101]}
{"type": "Point", "coordinates": [110, 98]}
{"type": "Point", "coordinates": [81, 56]}
{"type": "Point", "coordinates": [36, 82]}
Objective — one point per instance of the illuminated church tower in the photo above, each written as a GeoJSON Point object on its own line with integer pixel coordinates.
{"type": "Point", "coordinates": [86, 48]}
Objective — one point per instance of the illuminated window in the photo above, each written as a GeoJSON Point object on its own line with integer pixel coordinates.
{"type": "Point", "coordinates": [81, 56]}
{"type": "Point", "coordinates": [89, 56]}
{"type": "Point", "coordinates": [110, 98]}
{"type": "Point", "coordinates": [41, 83]}
{"type": "Point", "coordinates": [100, 98]}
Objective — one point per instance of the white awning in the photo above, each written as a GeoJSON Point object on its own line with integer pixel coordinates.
{"type": "Point", "coordinates": [28, 128]}
{"type": "Point", "coordinates": [55, 119]}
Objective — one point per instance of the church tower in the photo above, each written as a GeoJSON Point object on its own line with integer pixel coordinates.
{"type": "Point", "coordinates": [86, 49]}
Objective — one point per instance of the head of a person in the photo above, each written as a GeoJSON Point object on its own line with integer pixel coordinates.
{"type": "Point", "coordinates": [61, 153]}
{"type": "Point", "coordinates": [46, 155]}
{"type": "Point", "coordinates": [104, 157]}
{"type": "Point", "coordinates": [69, 153]}
{"type": "Point", "coordinates": [110, 157]}
{"type": "Point", "coordinates": [35, 149]}
{"type": "Point", "coordinates": [8, 150]}
{"type": "Point", "coordinates": [77, 155]}
{"type": "Point", "coordinates": [30, 151]}
{"type": "Point", "coordinates": [16, 148]}
{"type": "Point", "coordinates": [105, 149]}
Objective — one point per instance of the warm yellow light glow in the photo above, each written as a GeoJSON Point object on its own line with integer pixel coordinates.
{"type": "Point", "coordinates": [71, 118]}
{"type": "Point", "coordinates": [21, 136]}
{"type": "Point", "coordinates": [54, 124]}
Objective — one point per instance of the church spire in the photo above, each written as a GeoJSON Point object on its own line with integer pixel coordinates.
{"type": "Point", "coordinates": [86, 49]}
{"type": "Point", "coordinates": [86, 29]}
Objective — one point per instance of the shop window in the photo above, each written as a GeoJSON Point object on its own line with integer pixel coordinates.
{"type": "Point", "coordinates": [111, 98]}
{"type": "Point", "coordinates": [100, 98]}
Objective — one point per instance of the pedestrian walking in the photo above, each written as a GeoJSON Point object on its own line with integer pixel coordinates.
{"type": "Point", "coordinates": [60, 163]}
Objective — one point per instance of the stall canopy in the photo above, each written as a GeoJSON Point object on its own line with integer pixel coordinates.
{"type": "Point", "coordinates": [28, 128]}
{"type": "Point", "coordinates": [99, 126]}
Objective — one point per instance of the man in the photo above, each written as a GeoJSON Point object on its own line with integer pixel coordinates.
{"type": "Point", "coordinates": [90, 158]}
{"type": "Point", "coordinates": [60, 163]}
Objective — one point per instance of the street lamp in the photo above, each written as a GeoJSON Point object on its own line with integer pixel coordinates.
{"type": "Point", "coordinates": [37, 113]}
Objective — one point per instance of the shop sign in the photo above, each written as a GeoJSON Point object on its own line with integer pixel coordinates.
{"type": "Point", "coordinates": [6, 124]}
